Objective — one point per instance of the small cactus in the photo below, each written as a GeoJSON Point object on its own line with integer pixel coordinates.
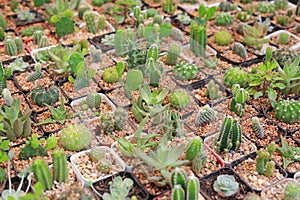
{"type": "Point", "coordinates": [173, 53]}
{"type": "Point", "coordinates": [193, 148]}
{"type": "Point", "coordinates": [185, 71]}
{"type": "Point", "coordinates": [37, 35]}
{"type": "Point", "coordinates": [10, 47]}
{"type": "Point", "coordinates": [283, 38]}
{"type": "Point", "coordinates": [44, 42]}
{"type": "Point", "coordinates": [288, 111]}
{"type": "Point", "coordinates": [223, 38]}
{"type": "Point", "coordinates": [2, 34]}
{"type": "Point", "coordinates": [177, 34]}
{"type": "Point", "coordinates": [205, 115]}
{"type": "Point", "coordinates": [104, 165]}
{"type": "Point", "coordinates": [96, 54]}
{"type": "Point", "coordinates": [257, 128]}
{"type": "Point", "coordinates": [110, 75]}
{"type": "Point", "coordinates": [236, 75]}
{"type": "Point", "coordinates": [180, 99]}
{"type": "Point", "coordinates": [178, 177]}
{"type": "Point", "coordinates": [178, 193]}
{"type": "Point", "coordinates": [107, 122]}
{"type": "Point", "coordinates": [101, 22]}
{"type": "Point", "coordinates": [120, 116]}
{"type": "Point", "coordinates": [37, 74]}
{"type": "Point", "coordinates": [192, 188]}
{"type": "Point", "coordinates": [59, 159]}
{"type": "Point", "coordinates": [240, 49]}
{"type": "Point", "coordinates": [19, 44]}
{"type": "Point", "coordinates": [93, 100]}
{"type": "Point", "coordinates": [89, 18]}
{"type": "Point", "coordinates": [120, 42]}
{"type": "Point", "coordinates": [97, 153]}
{"type": "Point", "coordinates": [262, 159]}
{"type": "Point", "coordinates": [238, 102]}
{"type": "Point", "coordinates": [198, 39]}
{"type": "Point", "coordinates": [223, 19]}
{"type": "Point", "coordinates": [42, 96]}
{"type": "Point", "coordinates": [198, 162]}
{"type": "Point", "coordinates": [42, 173]}
{"type": "Point", "coordinates": [269, 169]}
{"type": "Point", "coordinates": [291, 191]}
{"type": "Point", "coordinates": [213, 90]}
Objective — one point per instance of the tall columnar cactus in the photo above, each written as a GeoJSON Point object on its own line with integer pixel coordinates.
{"type": "Point", "coordinates": [173, 53]}
{"type": "Point", "coordinates": [213, 91]}
{"type": "Point", "coordinates": [192, 188]}
{"type": "Point", "coordinates": [198, 162]}
{"type": "Point", "coordinates": [154, 69]}
{"type": "Point", "coordinates": [288, 111]}
{"type": "Point", "coordinates": [178, 193]}
{"type": "Point", "coordinates": [230, 137]}
{"type": "Point", "coordinates": [19, 44]}
{"type": "Point", "coordinates": [42, 96]}
{"type": "Point", "coordinates": [185, 71]}
{"type": "Point", "coordinates": [257, 128]}
{"type": "Point", "coordinates": [120, 42]}
{"type": "Point", "coordinates": [205, 115]}
{"type": "Point", "coordinates": [37, 35]}
{"type": "Point", "coordinates": [236, 75]}
{"type": "Point", "coordinates": [2, 22]}
{"type": "Point", "coordinates": [240, 49]}
{"type": "Point", "coordinates": [178, 177]}
{"type": "Point", "coordinates": [42, 173]}
{"type": "Point", "coordinates": [89, 18]}
{"type": "Point", "coordinates": [75, 137]}
{"type": "Point", "coordinates": [10, 47]}
{"type": "Point", "coordinates": [120, 116]}
{"type": "Point", "coordinates": [238, 102]}
{"type": "Point", "coordinates": [93, 100]}
{"type": "Point", "coordinates": [198, 39]}
{"type": "Point", "coordinates": [193, 149]}
{"type": "Point", "coordinates": [60, 167]}
{"type": "Point", "coordinates": [107, 122]}
{"type": "Point", "coordinates": [44, 42]}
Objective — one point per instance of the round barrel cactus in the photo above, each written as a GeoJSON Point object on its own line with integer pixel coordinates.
{"type": "Point", "coordinates": [41, 96]}
{"type": "Point", "coordinates": [288, 111]}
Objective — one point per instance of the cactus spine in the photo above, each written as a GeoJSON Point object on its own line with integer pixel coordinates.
{"type": "Point", "coordinates": [42, 173]}
{"type": "Point", "coordinates": [205, 115]}
{"type": "Point", "coordinates": [19, 44]}
{"type": "Point", "coordinates": [192, 188]}
{"type": "Point", "coordinates": [89, 18]}
{"type": "Point", "coordinates": [198, 39]}
{"type": "Point", "coordinates": [59, 160]}
{"type": "Point", "coordinates": [193, 148]}
{"type": "Point", "coordinates": [37, 36]}
{"type": "Point", "coordinates": [44, 42]}
{"type": "Point", "coordinates": [107, 122]}
{"type": "Point", "coordinates": [173, 53]}
{"type": "Point", "coordinates": [120, 42]}
{"type": "Point", "coordinates": [288, 111]}
{"type": "Point", "coordinates": [178, 193]}
{"type": "Point", "coordinates": [10, 46]}
{"type": "Point", "coordinates": [257, 128]}
{"type": "Point", "coordinates": [240, 49]}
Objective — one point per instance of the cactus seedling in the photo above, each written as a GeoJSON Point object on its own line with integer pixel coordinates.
{"type": "Point", "coordinates": [257, 128]}
{"type": "Point", "coordinates": [180, 99]}
{"type": "Point", "coordinates": [185, 71]}
{"type": "Point", "coordinates": [110, 75]}
{"type": "Point", "coordinates": [213, 90]}
{"type": "Point", "coordinates": [193, 149]}
{"type": "Point", "coordinates": [205, 115]}
{"type": "Point", "coordinates": [93, 100]}
{"type": "Point", "coordinates": [42, 173]}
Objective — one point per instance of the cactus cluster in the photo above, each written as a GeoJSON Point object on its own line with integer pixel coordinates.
{"type": "Point", "coordinates": [12, 46]}
{"type": "Point", "coordinates": [99, 156]}
{"type": "Point", "coordinates": [169, 7]}
{"type": "Point", "coordinates": [230, 137]}
{"type": "Point", "coordinates": [180, 99]}
{"type": "Point", "coordinates": [257, 128]}
{"type": "Point", "coordinates": [153, 67]}
{"type": "Point", "coordinates": [223, 19]}
{"type": "Point", "coordinates": [59, 159]}
{"type": "Point", "coordinates": [37, 74]}
{"type": "Point", "coordinates": [236, 75]}
{"type": "Point", "coordinates": [288, 111]}
{"type": "Point", "coordinates": [37, 35]}
{"type": "Point", "coordinates": [223, 38]}
{"type": "Point", "coordinates": [194, 154]}
{"type": "Point", "coordinates": [240, 49]}
{"type": "Point", "coordinates": [93, 24]}
{"type": "Point", "coordinates": [185, 71]}
{"type": "Point", "coordinates": [183, 187]}
{"type": "Point", "coordinates": [41, 96]}
{"type": "Point", "coordinates": [205, 115]}
{"type": "Point", "coordinates": [5, 73]}
{"type": "Point", "coordinates": [198, 39]}
{"type": "Point", "coordinates": [75, 137]}
{"type": "Point", "coordinates": [93, 100]}
{"type": "Point", "coordinates": [113, 121]}
{"type": "Point", "coordinates": [265, 7]}
{"type": "Point", "coordinates": [285, 20]}
{"type": "Point", "coordinates": [238, 101]}
{"type": "Point", "coordinates": [213, 90]}
{"type": "Point", "coordinates": [226, 185]}
{"type": "Point", "coordinates": [173, 53]}
{"type": "Point", "coordinates": [263, 164]}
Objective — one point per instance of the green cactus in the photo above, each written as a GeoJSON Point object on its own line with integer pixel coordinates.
{"type": "Point", "coordinates": [169, 7]}
{"type": "Point", "coordinates": [252, 196]}
{"type": "Point", "coordinates": [205, 115]}
{"type": "Point", "coordinates": [288, 111]}
{"type": "Point", "coordinates": [198, 162]}
{"type": "Point", "coordinates": [75, 137]}
{"type": "Point", "coordinates": [37, 35]}
{"type": "Point", "coordinates": [227, 6]}
{"type": "Point", "coordinates": [185, 71]}
{"type": "Point", "coordinates": [155, 70]}
{"type": "Point", "coordinates": [262, 159]}
{"type": "Point", "coordinates": [157, 19]}
{"type": "Point", "coordinates": [97, 153]}
{"type": "Point", "coordinates": [93, 100]}
{"type": "Point", "coordinates": [42, 173]}
{"type": "Point", "coordinates": [173, 53]}
{"type": "Point", "coordinates": [64, 26]}
{"type": "Point", "coordinates": [257, 128]}
{"type": "Point", "coordinates": [226, 185]}
{"type": "Point", "coordinates": [10, 47]}
{"type": "Point", "coordinates": [2, 34]}
{"type": "Point", "coordinates": [42, 96]}
{"type": "Point", "coordinates": [180, 99]}
{"type": "Point", "coordinates": [238, 101]}
{"type": "Point", "coordinates": [213, 91]}
{"type": "Point", "coordinates": [193, 148]}
{"type": "Point", "coordinates": [283, 38]}
{"type": "Point", "coordinates": [101, 24]}
{"type": "Point", "coordinates": [107, 122]}
{"type": "Point", "coordinates": [178, 193]}
{"type": "Point", "coordinates": [297, 9]}
{"type": "Point", "coordinates": [82, 10]}
{"type": "Point", "coordinates": [120, 116]}
{"type": "Point", "coordinates": [177, 34]}
{"type": "Point", "coordinates": [291, 191]}
{"type": "Point", "coordinates": [223, 38]}
{"type": "Point", "coordinates": [281, 4]}
{"type": "Point", "coordinates": [110, 75]}
{"type": "Point", "coordinates": [198, 39]}
{"type": "Point", "coordinates": [240, 49]}
{"type": "Point", "coordinates": [59, 159]}
{"type": "Point", "coordinates": [7, 97]}
{"type": "Point", "coordinates": [2, 22]}
{"type": "Point", "coordinates": [236, 75]}
{"type": "Point", "coordinates": [4, 75]}
{"type": "Point", "coordinates": [192, 188]}
{"type": "Point", "coordinates": [37, 74]}
{"type": "Point", "coordinates": [120, 42]}
{"type": "Point", "coordinates": [19, 44]}
{"type": "Point", "coordinates": [284, 55]}
{"type": "Point", "coordinates": [44, 42]}
{"type": "Point", "coordinates": [265, 7]}
{"type": "Point", "coordinates": [230, 137]}
{"type": "Point", "coordinates": [89, 18]}
{"type": "Point", "coordinates": [178, 177]}
{"type": "Point", "coordinates": [223, 19]}
{"type": "Point", "coordinates": [269, 169]}
{"type": "Point", "coordinates": [96, 54]}
{"type": "Point", "coordinates": [104, 165]}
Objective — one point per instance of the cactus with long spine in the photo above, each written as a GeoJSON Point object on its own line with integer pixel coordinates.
{"type": "Point", "coordinates": [185, 71]}
{"type": "Point", "coordinates": [59, 160]}
{"type": "Point", "coordinates": [41, 96]}
{"type": "Point", "coordinates": [93, 100]}
{"type": "Point", "coordinates": [42, 173]}
{"type": "Point", "coordinates": [205, 115]}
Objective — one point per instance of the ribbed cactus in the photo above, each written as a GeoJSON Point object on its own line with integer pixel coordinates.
{"type": "Point", "coordinates": [291, 191]}
{"type": "Point", "coordinates": [193, 149]}
{"type": "Point", "coordinates": [42, 173]}
{"type": "Point", "coordinates": [262, 159]}
{"type": "Point", "coordinates": [120, 42]}
{"type": "Point", "coordinates": [42, 96]}
{"type": "Point", "coordinates": [89, 18]}
{"type": "Point", "coordinates": [213, 91]}
{"type": "Point", "coordinates": [155, 71]}
{"type": "Point", "coordinates": [236, 75]}
{"type": "Point", "coordinates": [205, 115]}
{"type": "Point", "coordinates": [180, 99]}
{"type": "Point", "coordinates": [60, 167]}
{"type": "Point", "coordinates": [37, 74]}
{"type": "Point", "coordinates": [230, 137]}
{"type": "Point", "coordinates": [169, 7]}
{"type": "Point", "coordinates": [197, 163]}
{"type": "Point", "coordinates": [269, 169]}
{"type": "Point", "coordinates": [104, 165]}
{"type": "Point", "coordinates": [7, 97]}
{"type": "Point", "coordinates": [192, 188]}
{"type": "Point", "coordinates": [173, 53]}
{"type": "Point", "coordinates": [110, 75]}
{"type": "Point", "coordinates": [107, 122]}
{"type": "Point", "coordinates": [153, 52]}
{"type": "Point", "coordinates": [97, 153]}
{"type": "Point", "coordinates": [178, 177]}
{"type": "Point", "coordinates": [178, 193]}
{"type": "Point", "coordinates": [288, 111]}
{"type": "Point", "coordinates": [10, 47]}
{"type": "Point", "coordinates": [93, 100]}
{"type": "Point", "coordinates": [223, 19]}
{"type": "Point", "coordinates": [2, 22]}
{"type": "Point", "coordinates": [120, 116]}
{"type": "Point", "coordinates": [185, 71]}
{"type": "Point", "coordinates": [257, 128]}
{"type": "Point", "coordinates": [240, 49]}
{"type": "Point", "coordinates": [2, 34]}
{"type": "Point", "coordinates": [238, 102]}
{"type": "Point", "coordinates": [75, 137]}
{"type": "Point", "coordinates": [198, 39]}
{"type": "Point", "coordinates": [37, 35]}
{"type": "Point", "coordinates": [19, 44]}
{"type": "Point", "coordinates": [44, 42]}
{"type": "Point", "coordinates": [101, 24]}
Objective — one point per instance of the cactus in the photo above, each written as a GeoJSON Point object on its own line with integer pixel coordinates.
{"type": "Point", "coordinates": [269, 169]}
{"type": "Point", "coordinates": [75, 137]}
{"type": "Point", "coordinates": [4, 75]}
{"type": "Point", "coordinates": [238, 101]}
{"type": "Point", "coordinates": [178, 193]}
{"type": "Point", "coordinates": [2, 34]}
{"type": "Point", "coordinates": [42, 173]}
{"type": "Point", "coordinates": [223, 19]}
{"type": "Point", "coordinates": [110, 75]}
{"type": "Point", "coordinates": [198, 162]}
{"type": "Point", "coordinates": [97, 153]}
{"type": "Point", "coordinates": [257, 128]}
{"type": "Point", "coordinates": [82, 10]}
{"type": "Point", "coordinates": [291, 191]}
{"type": "Point", "coordinates": [7, 97]}
{"type": "Point", "coordinates": [193, 149]}
{"type": "Point", "coordinates": [157, 19]}
{"type": "Point", "coordinates": [178, 177]}
{"type": "Point", "coordinates": [226, 185]}
{"type": "Point", "coordinates": [261, 160]}
{"type": "Point", "coordinates": [10, 47]}
{"type": "Point", "coordinates": [64, 26]}
{"type": "Point", "coordinates": [240, 49]}
{"type": "Point", "coordinates": [198, 39]}
{"type": "Point", "coordinates": [101, 24]}
{"type": "Point", "coordinates": [120, 42]}
{"type": "Point", "coordinates": [192, 188]}
{"type": "Point", "coordinates": [176, 34]}
{"type": "Point", "coordinates": [283, 38]}
{"type": "Point", "coordinates": [230, 137]}
{"type": "Point", "coordinates": [180, 99]}
{"type": "Point", "coordinates": [281, 4]}
{"type": "Point", "coordinates": [44, 42]}
{"type": "Point", "coordinates": [288, 111]}
{"type": "Point", "coordinates": [93, 100]}
{"type": "Point", "coordinates": [42, 96]}
{"type": "Point", "coordinates": [169, 7]}
{"type": "Point", "coordinates": [213, 90]}
{"type": "Point", "coordinates": [173, 53]}
{"type": "Point", "coordinates": [96, 54]}
{"type": "Point", "coordinates": [265, 7]}
{"type": "Point", "coordinates": [205, 115]}
{"type": "Point", "coordinates": [37, 35]}
{"type": "Point", "coordinates": [19, 44]}
{"type": "Point", "coordinates": [223, 38]}
{"type": "Point", "coordinates": [107, 122]}
{"type": "Point", "coordinates": [120, 116]}
{"type": "Point", "coordinates": [185, 71]}
{"type": "Point", "coordinates": [37, 74]}
{"type": "Point", "coordinates": [59, 160]}
{"type": "Point", "coordinates": [227, 6]}
{"type": "Point", "coordinates": [104, 165]}
{"type": "Point", "coordinates": [284, 55]}
{"type": "Point", "coordinates": [155, 71]}
{"type": "Point", "coordinates": [89, 18]}
{"type": "Point", "coordinates": [236, 75]}
{"type": "Point", "coordinates": [2, 22]}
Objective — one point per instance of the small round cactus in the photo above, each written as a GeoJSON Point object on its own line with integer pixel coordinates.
{"type": "Point", "coordinates": [205, 115]}
{"type": "Point", "coordinates": [236, 75]}
{"type": "Point", "coordinates": [104, 165]}
{"type": "Point", "coordinates": [93, 100]}
{"type": "Point", "coordinates": [185, 71]}
{"type": "Point", "coordinates": [288, 111]}
{"type": "Point", "coordinates": [97, 153]}
{"type": "Point", "coordinates": [42, 96]}
{"type": "Point", "coordinates": [110, 75]}
{"type": "Point", "coordinates": [75, 137]}
{"type": "Point", "coordinates": [107, 122]}
{"type": "Point", "coordinates": [223, 19]}
{"type": "Point", "coordinates": [120, 116]}
{"type": "Point", "coordinates": [223, 38]}
{"type": "Point", "coordinates": [180, 99]}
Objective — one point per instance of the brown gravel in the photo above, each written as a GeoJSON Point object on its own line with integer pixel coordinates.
{"type": "Point", "coordinates": [69, 89]}
{"type": "Point", "coordinates": [285, 126]}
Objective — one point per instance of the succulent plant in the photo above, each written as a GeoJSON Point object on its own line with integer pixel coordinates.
{"type": "Point", "coordinates": [252, 196]}
{"type": "Point", "coordinates": [288, 111]}
{"type": "Point", "coordinates": [254, 36]}
{"type": "Point", "coordinates": [283, 38]}
{"type": "Point", "coordinates": [43, 95]}
{"type": "Point", "coordinates": [223, 38]}
{"type": "Point", "coordinates": [198, 39]}
{"type": "Point", "coordinates": [184, 19]}
{"type": "Point", "coordinates": [93, 100]}
{"type": "Point", "coordinates": [75, 137]}
{"type": "Point", "coordinates": [6, 94]}
{"type": "Point", "coordinates": [257, 128]}
{"type": "Point", "coordinates": [265, 7]}
{"type": "Point", "coordinates": [42, 173]}
{"type": "Point", "coordinates": [178, 177]}
{"type": "Point", "coordinates": [2, 22]}
{"type": "Point", "coordinates": [37, 35]}
{"type": "Point", "coordinates": [223, 19]}
{"type": "Point", "coordinates": [205, 115]}
{"type": "Point", "coordinates": [10, 46]}
{"type": "Point", "coordinates": [120, 116]}
{"type": "Point", "coordinates": [37, 74]}
{"type": "Point", "coordinates": [110, 75]}
{"type": "Point", "coordinates": [107, 122]}
{"type": "Point", "coordinates": [2, 34]}
{"type": "Point", "coordinates": [120, 42]}
{"type": "Point", "coordinates": [284, 55]}
{"type": "Point", "coordinates": [177, 34]}
{"type": "Point", "coordinates": [227, 6]}
{"type": "Point", "coordinates": [238, 101]}
{"type": "Point", "coordinates": [285, 20]}
{"type": "Point", "coordinates": [119, 189]}
{"type": "Point", "coordinates": [240, 49]}
{"type": "Point", "coordinates": [26, 15]}
{"type": "Point", "coordinates": [281, 4]}
{"type": "Point", "coordinates": [213, 91]}
{"type": "Point", "coordinates": [173, 53]}
{"type": "Point", "coordinates": [59, 159]}
{"type": "Point", "coordinates": [44, 42]}
{"type": "Point", "coordinates": [263, 163]}
{"type": "Point", "coordinates": [180, 99]}
{"type": "Point", "coordinates": [96, 54]}
{"type": "Point", "coordinates": [291, 191]}
{"type": "Point", "coordinates": [185, 71]}
{"type": "Point", "coordinates": [97, 153]}
{"type": "Point", "coordinates": [104, 165]}
{"type": "Point", "coordinates": [89, 18]}
{"type": "Point", "coordinates": [226, 185]}
{"type": "Point", "coordinates": [169, 7]}
{"type": "Point", "coordinates": [236, 75]}
{"type": "Point", "coordinates": [193, 148]}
